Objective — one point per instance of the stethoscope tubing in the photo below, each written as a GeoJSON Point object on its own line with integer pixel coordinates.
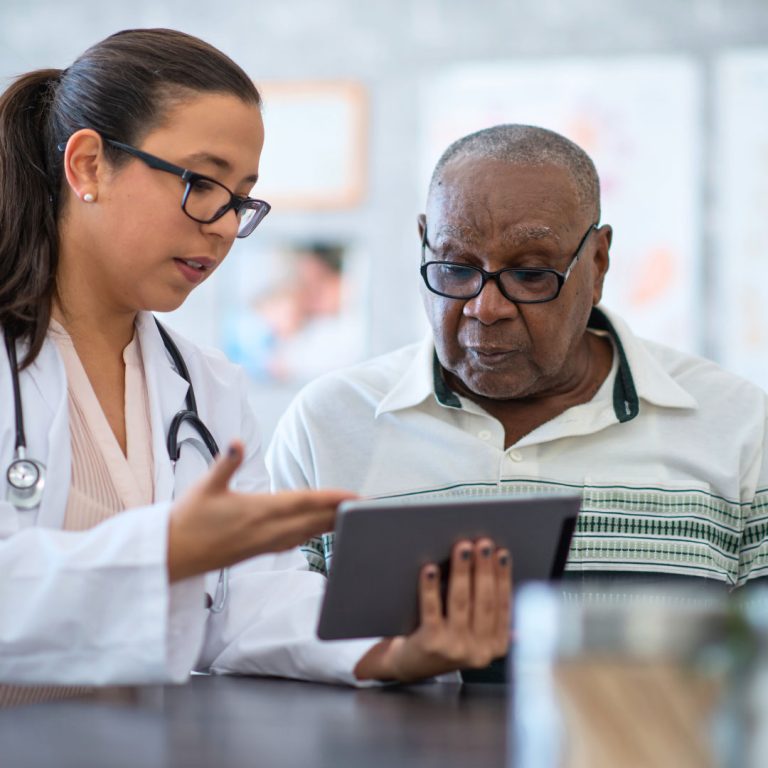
{"type": "Point", "coordinates": [21, 439]}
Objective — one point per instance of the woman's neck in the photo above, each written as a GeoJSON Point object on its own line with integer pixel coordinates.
{"type": "Point", "coordinates": [92, 325]}
{"type": "Point", "coordinates": [87, 302]}
{"type": "Point", "coordinates": [89, 310]}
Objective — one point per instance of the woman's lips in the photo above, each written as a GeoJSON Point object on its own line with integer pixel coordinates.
{"type": "Point", "coordinates": [194, 270]}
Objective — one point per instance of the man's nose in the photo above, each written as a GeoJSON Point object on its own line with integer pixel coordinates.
{"type": "Point", "coordinates": [490, 305]}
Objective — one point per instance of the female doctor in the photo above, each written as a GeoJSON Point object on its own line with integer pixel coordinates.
{"type": "Point", "coordinates": [124, 181]}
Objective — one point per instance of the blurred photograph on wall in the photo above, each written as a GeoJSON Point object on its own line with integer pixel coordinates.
{"type": "Point", "coordinates": [294, 310]}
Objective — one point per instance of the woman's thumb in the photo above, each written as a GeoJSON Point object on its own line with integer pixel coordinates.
{"type": "Point", "coordinates": [224, 468]}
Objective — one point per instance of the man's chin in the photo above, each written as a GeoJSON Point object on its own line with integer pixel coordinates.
{"type": "Point", "coordinates": [491, 386]}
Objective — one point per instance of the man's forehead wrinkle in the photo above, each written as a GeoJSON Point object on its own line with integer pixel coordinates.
{"type": "Point", "coordinates": [456, 233]}
{"type": "Point", "coordinates": [520, 234]}
{"type": "Point", "coordinates": [457, 219]}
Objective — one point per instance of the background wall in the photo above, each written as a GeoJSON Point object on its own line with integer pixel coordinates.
{"type": "Point", "coordinates": [396, 50]}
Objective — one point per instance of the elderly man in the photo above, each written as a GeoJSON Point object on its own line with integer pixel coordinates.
{"type": "Point", "coordinates": [526, 385]}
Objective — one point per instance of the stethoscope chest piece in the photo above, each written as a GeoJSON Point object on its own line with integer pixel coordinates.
{"type": "Point", "coordinates": [26, 477]}
{"type": "Point", "coordinates": [26, 482]}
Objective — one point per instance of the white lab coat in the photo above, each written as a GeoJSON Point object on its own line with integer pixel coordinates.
{"type": "Point", "coordinates": [95, 606]}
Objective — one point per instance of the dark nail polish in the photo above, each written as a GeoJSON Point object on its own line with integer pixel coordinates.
{"type": "Point", "coordinates": [504, 559]}
{"type": "Point", "coordinates": [431, 575]}
{"type": "Point", "coordinates": [485, 551]}
{"type": "Point", "coordinates": [466, 554]}
{"type": "Point", "coordinates": [232, 452]}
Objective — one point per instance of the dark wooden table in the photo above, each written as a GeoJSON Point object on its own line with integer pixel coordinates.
{"type": "Point", "coordinates": [230, 721]}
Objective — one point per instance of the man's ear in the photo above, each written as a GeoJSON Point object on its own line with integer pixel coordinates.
{"type": "Point", "coordinates": [601, 261]}
{"type": "Point", "coordinates": [422, 222]}
{"type": "Point", "coordinates": [85, 164]}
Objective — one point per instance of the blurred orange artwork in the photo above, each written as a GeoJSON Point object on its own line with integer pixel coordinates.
{"type": "Point", "coordinates": [653, 281]}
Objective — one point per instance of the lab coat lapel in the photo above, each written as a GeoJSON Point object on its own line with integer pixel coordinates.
{"type": "Point", "coordinates": [167, 391]}
{"type": "Point", "coordinates": [44, 389]}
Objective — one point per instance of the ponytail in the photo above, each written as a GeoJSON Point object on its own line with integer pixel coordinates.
{"type": "Point", "coordinates": [29, 186]}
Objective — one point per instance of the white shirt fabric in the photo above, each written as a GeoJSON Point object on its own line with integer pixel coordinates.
{"type": "Point", "coordinates": [669, 456]}
{"type": "Point", "coordinates": [94, 607]}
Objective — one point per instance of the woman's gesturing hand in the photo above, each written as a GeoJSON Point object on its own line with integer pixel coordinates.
{"type": "Point", "coordinates": [473, 630]}
{"type": "Point", "coordinates": [212, 526]}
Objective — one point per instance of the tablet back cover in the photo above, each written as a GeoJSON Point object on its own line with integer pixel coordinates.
{"type": "Point", "coordinates": [381, 545]}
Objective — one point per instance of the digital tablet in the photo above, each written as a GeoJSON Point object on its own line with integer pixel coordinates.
{"type": "Point", "coordinates": [381, 546]}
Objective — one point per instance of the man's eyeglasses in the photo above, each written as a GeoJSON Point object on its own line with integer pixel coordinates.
{"type": "Point", "coordinates": [205, 200]}
{"type": "Point", "coordinates": [522, 285]}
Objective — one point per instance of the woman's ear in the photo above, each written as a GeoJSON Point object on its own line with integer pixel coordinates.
{"type": "Point", "coordinates": [84, 164]}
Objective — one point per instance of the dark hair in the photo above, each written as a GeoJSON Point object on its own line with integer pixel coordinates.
{"type": "Point", "coordinates": [331, 254]}
{"type": "Point", "coordinates": [121, 87]}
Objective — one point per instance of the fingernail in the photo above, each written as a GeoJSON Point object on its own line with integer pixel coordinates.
{"type": "Point", "coordinates": [232, 452]}
{"type": "Point", "coordinates": [485, 551]}
{"type": "Point", "coordinates": [431, 574]}
{"type": "Point", "coordinates": [466, 554]}
{"type": "Point", "coordinates": [504, 559]}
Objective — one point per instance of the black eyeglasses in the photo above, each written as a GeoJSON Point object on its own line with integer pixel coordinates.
{"type": "Point", "coordinates": [522, 285]}
{"type": "Point", "coordinates": [205, 200]}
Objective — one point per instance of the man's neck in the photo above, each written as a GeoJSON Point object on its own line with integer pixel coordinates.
{"type": "Point", "coordinates": [520, 416]}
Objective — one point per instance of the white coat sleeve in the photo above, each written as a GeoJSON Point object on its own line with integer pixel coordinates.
{"type": "Point", "coordinates": [94, 607]}
{"type": "Point", "coordinates": [269, 625]}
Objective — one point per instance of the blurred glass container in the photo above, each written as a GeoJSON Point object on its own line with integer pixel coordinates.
{"type": "Point", "coordinates": [753, 602]}
{"type": "Point", "coordinates": [629, 676]}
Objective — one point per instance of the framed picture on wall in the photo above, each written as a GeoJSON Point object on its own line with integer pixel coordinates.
{"type": "Point", "coordinates": [316, 154]}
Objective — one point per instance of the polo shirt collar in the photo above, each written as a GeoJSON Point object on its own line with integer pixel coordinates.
{"type": "Point", "coordinates": [417, 382]}
{"type": "Point", "coordinates": [639, 375]}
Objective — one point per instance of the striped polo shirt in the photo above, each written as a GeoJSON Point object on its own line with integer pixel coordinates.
{"type": "Point", "coordinates": [668, 456]}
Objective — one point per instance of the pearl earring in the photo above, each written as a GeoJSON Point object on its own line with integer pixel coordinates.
{"type": "Point", "coordinates": [88, 197]}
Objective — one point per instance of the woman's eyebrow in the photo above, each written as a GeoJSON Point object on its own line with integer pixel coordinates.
{"type": "Point", "coordinates": [219, 162]}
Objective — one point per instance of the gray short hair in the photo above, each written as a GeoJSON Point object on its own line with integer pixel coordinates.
{"type": "Point", "coordinates": [527, 145]}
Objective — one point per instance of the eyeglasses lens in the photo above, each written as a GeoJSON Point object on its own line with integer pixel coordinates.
{"type": "Point", "coordinates": [250, 217]}
{"type": "Point", "coordinates": [462, 282]}
{"type": "Point", "coordinates": [207, 201]}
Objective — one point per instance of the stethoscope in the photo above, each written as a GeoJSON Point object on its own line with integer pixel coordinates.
{"type": "Point", "coordinates": [26, 476]}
